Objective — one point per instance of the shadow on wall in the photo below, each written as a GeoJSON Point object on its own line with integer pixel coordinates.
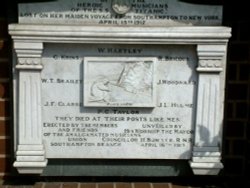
{"type": "Point", "coordinates": [206, 137]}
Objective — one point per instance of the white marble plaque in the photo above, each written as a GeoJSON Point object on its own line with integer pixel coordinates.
{"type": "Point", "coordinates": [120, 13]}
{"type": "Point", "coordinates": [163, 132]}
{"type": "Point", "coordinates": [55, 79]}
{"type": "Point", "coordinates": [119, 82]}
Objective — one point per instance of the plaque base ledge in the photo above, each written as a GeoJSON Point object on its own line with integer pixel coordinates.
{"type": "Point", "coordinates": [30, 167]}
{"type": "Point", "coordinates": [206, 168]}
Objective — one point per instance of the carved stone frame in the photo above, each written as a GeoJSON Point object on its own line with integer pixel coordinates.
{"type": "Point", "coordinates": [211, 45]}
{"type": "Point", "coordinates": [86, 85]}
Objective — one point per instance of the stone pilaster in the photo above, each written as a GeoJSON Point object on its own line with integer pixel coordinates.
{"type": "Point", "coordinates": [30, 154]}
{"type": "Point", "coordinates": [206, 154]}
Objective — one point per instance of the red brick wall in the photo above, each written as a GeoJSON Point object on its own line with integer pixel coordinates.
{"type": "Point", "coordinates": [5, 119]}
{"type": "Point", "coordinates": [237, 104]}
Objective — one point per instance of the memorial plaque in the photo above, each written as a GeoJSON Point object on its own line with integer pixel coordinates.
{"type": "Point", "coordinates": [115, 79]}
{"type": "Point", "coordinates": [120, 13]}
{"type": "Point", "coordinates": [102, 130]}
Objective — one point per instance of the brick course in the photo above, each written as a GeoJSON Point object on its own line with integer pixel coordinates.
{"type": "Point", "coordinates": [236, 124]}
{"type": "Point", "coordinates": [5, 125]}
{"type": "Point", "coordinates": [5, 129]}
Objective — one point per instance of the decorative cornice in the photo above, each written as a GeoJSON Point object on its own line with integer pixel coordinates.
{"type": "Point", "coordinates": [29, 63]}
{"type": "Point", "coordinates": [121, 35]}
{"type": "Point", "coordinates": [210, 57]}
{"type": "Point", "coordinates": [28, 55]}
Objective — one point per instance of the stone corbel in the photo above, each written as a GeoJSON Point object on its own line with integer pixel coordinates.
{"type": "Point", "coordinates": [30, 154]}
{"type": "Point", "coordinates": [206, 153]}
